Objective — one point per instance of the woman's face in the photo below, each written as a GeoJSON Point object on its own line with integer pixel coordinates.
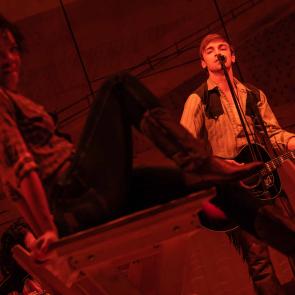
{"type": "Point", "coordinates": [10, 61]}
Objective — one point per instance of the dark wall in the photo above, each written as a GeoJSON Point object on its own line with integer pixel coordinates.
{"type": "Point", "coordinates": [116, 35]}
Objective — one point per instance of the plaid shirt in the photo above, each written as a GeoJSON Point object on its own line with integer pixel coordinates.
{"type": "Point", "coordinates": [28, 141]}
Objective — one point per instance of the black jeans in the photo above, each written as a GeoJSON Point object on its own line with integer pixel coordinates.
{"type": "Point", "coordinates": [264, 221]}
{"type": "Point", "coordinates": [256, 254]}
{"type": "Point", "coordinates": [100, 184]}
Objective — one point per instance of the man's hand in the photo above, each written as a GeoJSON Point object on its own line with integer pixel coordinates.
{"type": "Point", "coordinates": [234, 162]}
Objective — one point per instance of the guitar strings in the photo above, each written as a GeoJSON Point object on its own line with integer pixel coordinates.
{"type": "Point", "coordinates": [276, 162]}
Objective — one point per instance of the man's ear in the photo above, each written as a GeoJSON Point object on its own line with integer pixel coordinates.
{"type": "Point", "coordinates": [203, 64]}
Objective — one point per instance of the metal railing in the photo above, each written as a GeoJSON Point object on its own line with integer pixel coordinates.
{"type": "Point", "coordinates": [153, 64]}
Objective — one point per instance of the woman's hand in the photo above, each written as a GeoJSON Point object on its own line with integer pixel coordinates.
{"type": "Point", "coordinates": [39, 247]}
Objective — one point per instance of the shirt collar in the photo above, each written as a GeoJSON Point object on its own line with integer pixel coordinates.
{"type": "Point", "coordinates": [212, 85]}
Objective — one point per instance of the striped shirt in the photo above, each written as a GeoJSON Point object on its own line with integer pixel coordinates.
{"type": "Point", "coordinates": [225, 134]}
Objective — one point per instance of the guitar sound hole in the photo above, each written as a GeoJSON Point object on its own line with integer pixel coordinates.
{"type": "Point", "coordinates": [262, 186]}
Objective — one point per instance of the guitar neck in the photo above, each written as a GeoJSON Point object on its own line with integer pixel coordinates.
{"type": "Point", "coordinates": [275, 163]}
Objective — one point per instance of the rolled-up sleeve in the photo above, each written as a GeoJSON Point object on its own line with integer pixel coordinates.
{"type": "Point", "coordinates": [16, 160]}
{"type": "Point", "coordinates": [276, 133]}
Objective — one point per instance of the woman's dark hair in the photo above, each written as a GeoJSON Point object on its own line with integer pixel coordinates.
{"type": "Point", "coordinates": [13, 274]}
{"type": "Point", "coordinates": [19, 38]}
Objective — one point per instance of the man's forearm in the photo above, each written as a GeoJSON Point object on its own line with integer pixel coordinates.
{"type": "Point", "coordinates": [34, 206]}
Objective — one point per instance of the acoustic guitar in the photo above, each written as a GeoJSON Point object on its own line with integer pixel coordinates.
{"type": "Point", "coordinates": [264, 185]}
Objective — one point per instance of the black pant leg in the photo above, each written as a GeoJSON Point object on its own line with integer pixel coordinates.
{"type": "Point", "coordinates": [103, 162]}
{"type": "Point", "coordinates": [256, 254]}
{"type": "Point", "coordinates": [265, 221]}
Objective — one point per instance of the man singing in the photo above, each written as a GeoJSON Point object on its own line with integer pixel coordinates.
{"type": "Point", "coordinates": [210, 114]}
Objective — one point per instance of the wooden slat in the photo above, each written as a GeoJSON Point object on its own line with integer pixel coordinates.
{"type": "Point", "coordinates": [97, 254]}
{"type": "Point", "coordinates": [49, 281]}
{"type": "Point", "coordinates": [133, 232]}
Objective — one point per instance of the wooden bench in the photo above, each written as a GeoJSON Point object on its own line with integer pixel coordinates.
{"type": "Point", "coordinates": [142, 253]}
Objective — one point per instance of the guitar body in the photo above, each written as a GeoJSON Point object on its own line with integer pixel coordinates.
{"type": "Point", "coordinates": [263, 187]}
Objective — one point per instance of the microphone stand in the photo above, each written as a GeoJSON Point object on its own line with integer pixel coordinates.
{"type": "Point", "coordinates": [222, 60]}
{"type": "Point", "coordinates": [284, 200]}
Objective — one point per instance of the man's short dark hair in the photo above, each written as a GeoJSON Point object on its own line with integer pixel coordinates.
{"type": "Point", "coordinates": [18, 36]}
{"type": "Point", "coordinates": [213, 37]}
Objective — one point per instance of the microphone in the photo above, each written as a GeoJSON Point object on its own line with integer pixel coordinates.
{"type": "Point", "coordinates": [221, 58]}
